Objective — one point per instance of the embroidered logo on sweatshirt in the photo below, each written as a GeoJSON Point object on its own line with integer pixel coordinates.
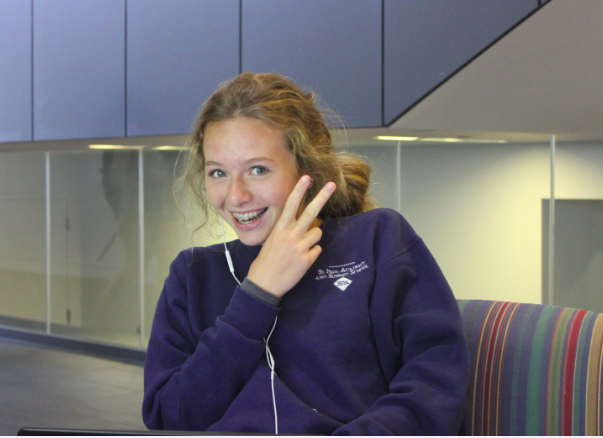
{"type": "Point", "coordinates": [343, 283]}
{"type": "Point", "coordinates": [341, 272]}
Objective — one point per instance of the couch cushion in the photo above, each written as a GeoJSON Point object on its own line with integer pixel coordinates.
{"type": "Point", "coordinates": [537, 369]}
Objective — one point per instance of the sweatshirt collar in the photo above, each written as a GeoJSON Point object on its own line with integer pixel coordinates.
{"type": "Point", "coordinates": [250, 252]}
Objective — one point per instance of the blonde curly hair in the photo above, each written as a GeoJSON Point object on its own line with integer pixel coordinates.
{"type": "Point", "coordinates": [278, 101]}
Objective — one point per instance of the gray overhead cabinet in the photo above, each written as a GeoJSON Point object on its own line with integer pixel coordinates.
{"type": "Point", "coordinates": [79, 69]}
{"type": "Point", "coordinates": [116, 68]}
{"type": "Point", "coordinates": [178, 51]}
{"type": "Point", "coordinates": [15, 70]}
{"type": "Point", "coordinates": [331, 47]}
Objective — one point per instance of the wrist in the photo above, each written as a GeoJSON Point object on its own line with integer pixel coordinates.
{"type": "Point", "coordinates": [260, 293]}
{"type": "Point", "coordinates": [265, 286]}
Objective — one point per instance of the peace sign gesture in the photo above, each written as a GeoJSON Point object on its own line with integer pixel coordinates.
{"type": "Point", "coordinates": [291, 247]}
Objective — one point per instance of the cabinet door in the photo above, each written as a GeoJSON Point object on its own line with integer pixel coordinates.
{"type": "Point", "coordinates": [427, 41]}
{"type": "Point", "coordinates": [178, 53]}
{"type": "Point", "coordinates": [331, 47]}
{"type": "Point", "coordinates": [15, 70]}
{"type": "Point", "coordinates": [79, 68]}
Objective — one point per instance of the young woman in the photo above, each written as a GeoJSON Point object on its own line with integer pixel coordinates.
{"type": "Point", "coordinates": [343, 323]}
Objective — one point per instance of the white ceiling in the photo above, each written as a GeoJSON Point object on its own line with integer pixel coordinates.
{"type": "Point", "coordinates": [545, 77]}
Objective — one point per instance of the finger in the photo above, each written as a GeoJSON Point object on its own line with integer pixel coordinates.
{"type": "Point", "coordinates": [313, 253]}
{"type": "Point", "coordinates": [294, 200]}
{"type": "Point", "coordinates": [312, 237]}
{"type": "Point", "coordinates": [313, 208]}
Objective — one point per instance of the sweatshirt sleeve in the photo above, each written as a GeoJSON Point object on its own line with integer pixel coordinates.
{"type": "Point", "coordinates": [422, 349]}
{"type": "Point", "coordinates": [189, 380]}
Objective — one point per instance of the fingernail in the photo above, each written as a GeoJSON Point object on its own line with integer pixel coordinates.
{"type": "Point", "coordinates": [330, 187]}
{"type": "Point", "coordinates": [306, 180]}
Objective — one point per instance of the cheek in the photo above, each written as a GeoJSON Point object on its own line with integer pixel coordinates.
{"type": "Point", "coordinates": [271, 195]}
{"type": "Point", "coordinates": [214, 195]}
{"type": "Point", "coordinates": [281, 194]}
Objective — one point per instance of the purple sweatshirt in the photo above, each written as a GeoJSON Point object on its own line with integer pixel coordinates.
{"type": "Point", "coordinates": [369, 342]}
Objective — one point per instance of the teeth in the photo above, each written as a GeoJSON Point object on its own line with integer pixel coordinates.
{"type": "Point", "coordinates": [249, 217]}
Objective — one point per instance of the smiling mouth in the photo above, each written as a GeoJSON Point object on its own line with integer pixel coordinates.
{"type": "Point", "coordinates": [247, 218]}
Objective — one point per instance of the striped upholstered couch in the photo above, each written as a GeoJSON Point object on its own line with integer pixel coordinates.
{"type": "Point", "coordinates": [537, 369]}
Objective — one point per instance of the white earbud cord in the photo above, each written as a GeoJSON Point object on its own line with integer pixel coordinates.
{"type": "Point", "coordinates": [228, 259]}
{"type": "Point", "coordinates": [272, 365]}
{"type": "Point", "coordinates": [269, 356]}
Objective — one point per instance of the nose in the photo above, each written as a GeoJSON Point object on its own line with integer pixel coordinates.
{"type": "Point", "coordinates": [238, 192]}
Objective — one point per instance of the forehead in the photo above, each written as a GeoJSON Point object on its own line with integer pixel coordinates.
{"type": "Point", "coordinates": [243, 138]}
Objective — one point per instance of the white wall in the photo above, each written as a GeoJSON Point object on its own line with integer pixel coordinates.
{"type": "Point", "coordinates": [479, 207]}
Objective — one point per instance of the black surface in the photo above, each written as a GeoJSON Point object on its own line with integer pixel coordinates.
{"type": "Point", "coordinates": [34, 431]}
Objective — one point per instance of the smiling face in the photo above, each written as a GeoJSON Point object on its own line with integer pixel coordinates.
{"type": "Point", "coordinates": [249, 174]}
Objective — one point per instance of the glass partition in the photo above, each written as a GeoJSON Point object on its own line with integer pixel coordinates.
{"type": "Point", "coordinates": [23, 240]}
{"type": "Point", "coordinates": [482, 209]}
{"type": "Point", "coordinates": [94, 231]}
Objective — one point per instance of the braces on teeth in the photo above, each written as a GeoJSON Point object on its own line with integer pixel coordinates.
{"type": "Point", "coordinates": [249, 217]}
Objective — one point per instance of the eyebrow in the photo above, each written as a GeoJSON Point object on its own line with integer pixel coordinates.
{"type": "Point", "coordinates": [250, 161]}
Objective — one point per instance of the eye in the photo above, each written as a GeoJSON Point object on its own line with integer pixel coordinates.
{"type": "Point", "coordinates": [259, 170]}
{"type": "Point", "coordinates": [217, 173]}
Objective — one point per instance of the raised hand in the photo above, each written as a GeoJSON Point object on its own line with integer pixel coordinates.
{"type": "Point", "coordinates": [291, 247]}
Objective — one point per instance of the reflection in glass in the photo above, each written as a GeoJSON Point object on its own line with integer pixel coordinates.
{"type": "Point", "coordinates": [22, 240]}
{"type": "Point", "coordinates": [95, 245]}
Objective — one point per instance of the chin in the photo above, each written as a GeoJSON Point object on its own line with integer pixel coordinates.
{"type": "Point", "coordinates": [252, 240]}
